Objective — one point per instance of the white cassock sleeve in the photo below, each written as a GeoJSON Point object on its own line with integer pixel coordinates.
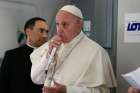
{"type": "Point", "coordinates": [39, 62]}
{"type": "Point", "coordinates": [39, 71]}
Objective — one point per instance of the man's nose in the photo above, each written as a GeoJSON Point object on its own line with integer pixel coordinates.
{"type": "Point", "coordinates": [45, 34]}
{"type": "Point", "coordinates": [59, 30]}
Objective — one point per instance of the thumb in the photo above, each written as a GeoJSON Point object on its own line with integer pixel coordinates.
{"type": "Point", "coordinates": [56, 84]}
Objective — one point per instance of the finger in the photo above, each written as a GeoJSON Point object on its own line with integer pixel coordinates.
{"type": "Point", "coordinates": [57, 84]}
{"type": "Point", "coordinates": [57, 37]}
{"type": "Point", "coordinates": [48, 89]}
{"type": "Point", "coordinates": [57, 42]}
{"type": "Point", "coordinates": [136, 91]}
{"type": "Point", "coordinates": [54, 44]}
{"type": "Point", "coordinates": [44, 89]}
{"type": "Point", "coordinates": [59, 87]}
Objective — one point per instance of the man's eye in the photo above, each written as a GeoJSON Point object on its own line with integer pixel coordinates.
{"type": "Point", "coordinates": [64, 24]}
{"type": "Point", "coordinates": [41, 30]}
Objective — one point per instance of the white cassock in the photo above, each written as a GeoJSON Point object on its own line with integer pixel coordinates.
{"type": "Point", "coordinates": [83, 66]}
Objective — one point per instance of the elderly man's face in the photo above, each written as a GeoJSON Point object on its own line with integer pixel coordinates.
{"type": "Point", "coordinates": [68, 26]}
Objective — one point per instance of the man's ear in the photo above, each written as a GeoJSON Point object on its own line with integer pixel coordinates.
{"type": "Point", "coordinates": [82, 22]}
{"type": "Point", "coordinates": [27, 31]}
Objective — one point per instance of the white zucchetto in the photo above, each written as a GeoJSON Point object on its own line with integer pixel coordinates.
{"type": "Point", "coordinates": [73, 10]}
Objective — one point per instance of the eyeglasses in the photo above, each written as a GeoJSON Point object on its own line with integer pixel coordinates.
{"type": "Point", "coordinates": [42, 30]}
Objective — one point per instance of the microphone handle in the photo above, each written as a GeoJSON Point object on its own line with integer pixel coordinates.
{"type": "Point", "coordinates": [48, 81]}
{"type": "Point", "coordinates": [52, 55]}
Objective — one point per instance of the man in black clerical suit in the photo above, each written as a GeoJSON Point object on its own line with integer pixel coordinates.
{"type": "Point", "coordinates": [16, 66]}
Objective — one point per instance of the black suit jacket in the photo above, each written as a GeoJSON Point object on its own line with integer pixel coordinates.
{"type": "Point", "coordinates": [15, 72]}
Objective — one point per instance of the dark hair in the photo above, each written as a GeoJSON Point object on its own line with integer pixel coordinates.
{"type": "Point", "coordinates": [31, 22]}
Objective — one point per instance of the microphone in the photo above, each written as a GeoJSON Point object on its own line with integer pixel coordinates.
{"type": "Point", "coordinates": [50, 60]}
{"type": "Point", "coordinates": [52, 55]}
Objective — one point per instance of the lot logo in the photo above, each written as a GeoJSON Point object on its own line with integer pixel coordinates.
{"type": "Point", "coordinates": [133, 26]}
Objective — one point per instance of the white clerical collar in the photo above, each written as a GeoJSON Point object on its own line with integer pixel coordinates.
{"type": "Point", "coordinates": [31, 46]}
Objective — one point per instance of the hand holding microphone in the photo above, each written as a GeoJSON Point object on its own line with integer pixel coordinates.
{"type": "Point", "coordinates": [53, 46]}
{"type": "Point", "coordinates": [55, 43]}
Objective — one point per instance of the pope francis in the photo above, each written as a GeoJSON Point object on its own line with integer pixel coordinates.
{"type": "Point", "coordinates": [79, 64]}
